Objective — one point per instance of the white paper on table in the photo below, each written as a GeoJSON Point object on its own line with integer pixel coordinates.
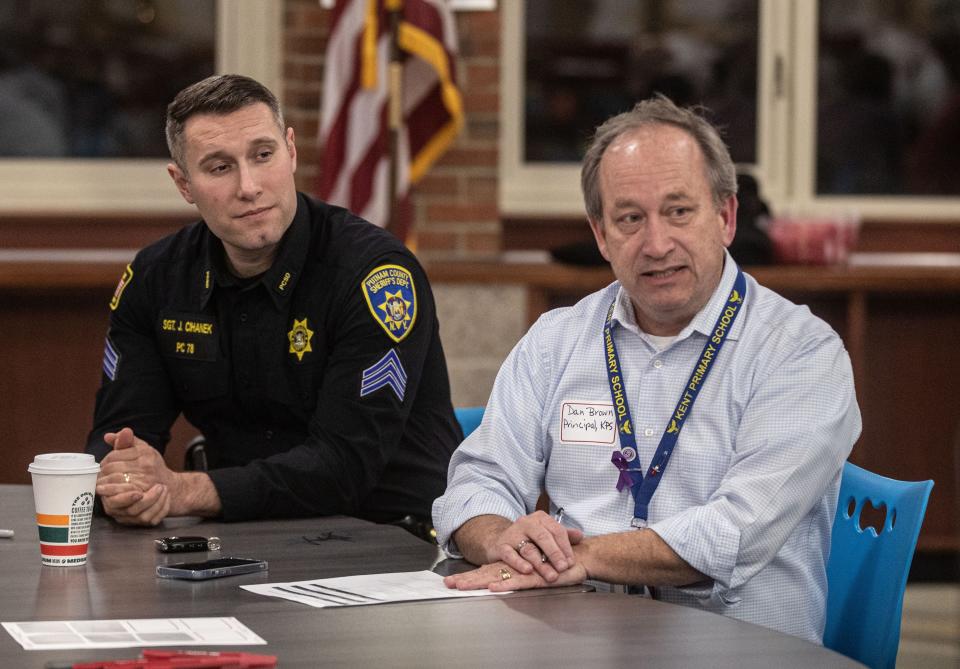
{"type": "Point", "coordinates": [133, 633]}
{"type": "Point", "coordinates": [365, 589]}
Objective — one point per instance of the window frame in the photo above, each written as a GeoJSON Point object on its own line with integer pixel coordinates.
{"type": "Point", "coordinates": [248, 41]}
{"type": "Point", "coordinates": [786, 130]}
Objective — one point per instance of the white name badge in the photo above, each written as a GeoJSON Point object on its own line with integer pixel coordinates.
{"type": "Point", "coordinates": [587, 422]}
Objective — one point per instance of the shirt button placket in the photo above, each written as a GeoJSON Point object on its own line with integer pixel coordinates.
{"type": "Point", "coordinates": [244, 343]}
{"type": "Point", "coordinates": [657, 364]}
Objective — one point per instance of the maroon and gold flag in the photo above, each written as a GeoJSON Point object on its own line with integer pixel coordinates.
{"type": "Point", "coordinates": [354, 124]}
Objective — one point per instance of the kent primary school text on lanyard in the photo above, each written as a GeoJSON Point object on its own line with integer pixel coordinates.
{"type": "Point", "coordinates": [626, 459]}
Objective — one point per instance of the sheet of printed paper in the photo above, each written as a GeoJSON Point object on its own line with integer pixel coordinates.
{"type": "Point", "coordinates": [365, 590]}
{"type": "Point", "coordinates": [67, 634]}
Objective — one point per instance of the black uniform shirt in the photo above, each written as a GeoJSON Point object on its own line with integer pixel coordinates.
{"type": "Point", "coordinates": [320, 386]}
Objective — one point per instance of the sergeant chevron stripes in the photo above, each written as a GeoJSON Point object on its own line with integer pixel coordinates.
{"type": "Point", "coordinates": [110, 360]}
{"type": "Point", "coordinates": [387, 371]}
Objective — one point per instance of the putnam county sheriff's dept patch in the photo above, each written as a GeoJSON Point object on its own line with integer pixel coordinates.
{"type": "Point", "coordinates": [392, 299]}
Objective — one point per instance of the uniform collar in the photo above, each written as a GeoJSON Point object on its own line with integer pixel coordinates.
{"type": "Point", "coordinates": [282, 277]}
{"type": "Point", "coordinates": [705, 319]}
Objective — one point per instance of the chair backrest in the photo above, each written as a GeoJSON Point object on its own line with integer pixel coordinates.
{"type": "Point", "coordinates": [469, 418]}
{"type": "Point", "coordinates": [867, 572]}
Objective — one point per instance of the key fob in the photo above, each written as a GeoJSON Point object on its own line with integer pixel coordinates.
{"type": "Point", "coordinates": [187, 544]}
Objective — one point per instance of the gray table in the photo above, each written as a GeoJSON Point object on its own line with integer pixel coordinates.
{"type": "Point", "coordinates": [569, 628]}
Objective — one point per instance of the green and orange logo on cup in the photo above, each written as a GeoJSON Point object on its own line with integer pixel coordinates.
{"type": "Point", "coordinates": [63, 486]}
{"type": "Point", "coordinates": [67, 536]}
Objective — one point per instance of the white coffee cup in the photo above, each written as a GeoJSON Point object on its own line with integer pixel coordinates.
{"type": "Point", "coordinates": [63, 493]}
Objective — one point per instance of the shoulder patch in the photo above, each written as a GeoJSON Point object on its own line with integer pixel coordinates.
{"type": "Point", "coordinates": [124, 282]}
{"type": "Point", "coordinates": [392, 299]}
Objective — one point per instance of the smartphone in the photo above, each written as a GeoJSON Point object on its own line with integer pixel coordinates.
{"type": "Point", "coordinates": [200, 571]}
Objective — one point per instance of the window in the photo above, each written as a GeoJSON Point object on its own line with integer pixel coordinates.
{"type": "Point", "coordinates": [90, 78]}
{"type": "Point", "coordinates": [841, 104]}
{"type": "Point", "coordinates": [88, 83]}
{"type": "Point", "coordinates": [587, 61]}
{"type": "Point", "coordinates": [888, 98]}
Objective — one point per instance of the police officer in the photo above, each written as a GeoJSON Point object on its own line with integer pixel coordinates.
{"type": "Point", "coordinates": [300, 340]}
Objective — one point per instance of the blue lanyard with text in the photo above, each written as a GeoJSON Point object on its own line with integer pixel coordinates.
{"type": "Point", "coordinates": [626, 459]}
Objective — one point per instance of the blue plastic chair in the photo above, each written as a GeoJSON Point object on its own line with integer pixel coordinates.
{"type": "Point", "coordinates": [469, 418]}
{"type": "Point", "coordinates": [867, 573]}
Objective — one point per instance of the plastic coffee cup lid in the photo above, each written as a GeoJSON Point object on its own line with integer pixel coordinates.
{"type": "Point", "coordinates": [64, 464]}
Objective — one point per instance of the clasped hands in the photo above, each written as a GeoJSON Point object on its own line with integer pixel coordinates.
{"type": "Point", "coordinates": [134, 484]}
{"type": "Point", "coordinates": [536, 551]}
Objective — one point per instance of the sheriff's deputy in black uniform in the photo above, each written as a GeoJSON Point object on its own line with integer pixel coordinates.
{"type": "Point", "coordinates": [300, 340]}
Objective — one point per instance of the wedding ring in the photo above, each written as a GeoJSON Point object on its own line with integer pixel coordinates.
{"type": "Point", "coordinates": [521, 545]}
{"type": "Point", "coordinates": [126, 477]}
{"type": "Point", "coordinates": [543, 557]}
{"type": "Point", "coordinates": [505, 574]}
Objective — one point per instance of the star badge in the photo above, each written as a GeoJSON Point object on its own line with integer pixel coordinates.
{"type": "Point", "coordinates": [300, 336]}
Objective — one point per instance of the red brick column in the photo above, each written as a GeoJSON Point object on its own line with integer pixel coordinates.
{"type": "Point", "coordinates": [455, 205]}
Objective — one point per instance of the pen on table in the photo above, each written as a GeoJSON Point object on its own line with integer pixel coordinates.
{"type": "Point", "coordinates": [6, 534]}
{"type": "Point", "coordinates": [227, 659]}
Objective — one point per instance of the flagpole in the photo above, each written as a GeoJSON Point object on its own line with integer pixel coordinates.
{"type": "Point", "coordinates": [395, 113]}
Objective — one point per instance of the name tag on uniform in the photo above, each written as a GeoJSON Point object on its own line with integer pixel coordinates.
{"type": "Point", "coordinates": [189, 336]}
{"type": "Point", "coordinates": [587, 423]}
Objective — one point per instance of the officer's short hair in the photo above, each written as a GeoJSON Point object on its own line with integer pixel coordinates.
{"type": "Point", "coordinates": [219, 94]}
{"type": "Point", "coordinates": [659, 110]}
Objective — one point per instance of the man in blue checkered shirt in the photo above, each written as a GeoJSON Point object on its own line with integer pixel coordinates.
{"type": "Point", "coordinates": [683, 361]}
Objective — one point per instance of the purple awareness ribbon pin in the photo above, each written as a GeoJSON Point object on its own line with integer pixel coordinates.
{"type": "Point", "coordinates": [625, 479]}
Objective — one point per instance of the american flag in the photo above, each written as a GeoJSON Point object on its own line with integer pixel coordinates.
{"type": "Point", "coordinates": [354, 131]}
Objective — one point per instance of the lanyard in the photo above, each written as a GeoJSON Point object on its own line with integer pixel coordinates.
{"type": "Point", "coordinates": [626, 459]}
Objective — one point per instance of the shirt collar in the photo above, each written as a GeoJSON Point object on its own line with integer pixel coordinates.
{"type": "Point", "coordinates": [623, 313]}
{"type": "Point", "coordinates": [283, 274]}
{"type": "Point", "coordinates": [703, 322]}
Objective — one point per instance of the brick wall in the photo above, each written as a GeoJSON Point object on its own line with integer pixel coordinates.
{"type": "Point", "coordinates": [455, 204]}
